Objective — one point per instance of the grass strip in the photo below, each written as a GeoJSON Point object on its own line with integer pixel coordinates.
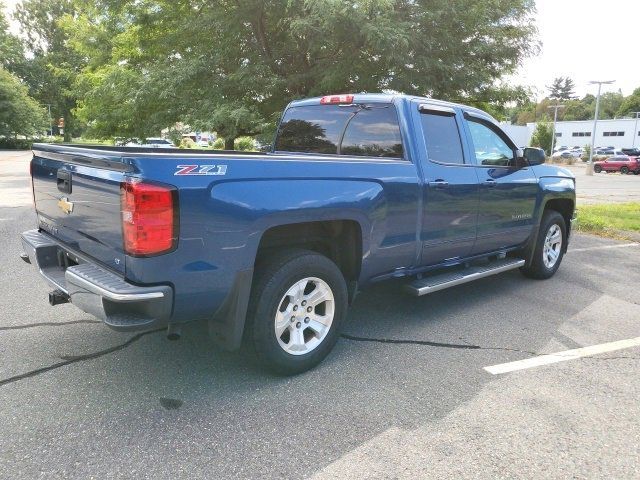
{"type": "Point", "coordinates": [615, 220]}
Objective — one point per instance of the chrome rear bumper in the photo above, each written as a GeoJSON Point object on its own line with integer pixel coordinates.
{"type": "Point", "coordinates": [96, 290]}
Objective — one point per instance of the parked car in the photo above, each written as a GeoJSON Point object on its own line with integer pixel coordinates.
{"type": "Point", "coordinates": [632, 152]}
{"type": "Point", "coordinates": [567, 154]}
{"type": "Point", "coordinates": [618, 163]}
{"type": "Point", "coordinates": [152, 143]}
{"type": "Point", "coordinates": [273, 247]}
{"type": "Point", "coordinates": [609, 151]}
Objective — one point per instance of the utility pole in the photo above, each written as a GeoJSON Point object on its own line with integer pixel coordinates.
{"type": "Point", "coordinates": [635, 129]}
{"type": "Point", "coordinates": [595, 122]}
{"type": "Point", "coordinates": [555, 119]}
{"type": "Point", "coordinates": [50, 124]}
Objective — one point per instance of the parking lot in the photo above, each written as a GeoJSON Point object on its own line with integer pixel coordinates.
{"type": "Point", "coordinates": [605, 187]}
{"type": "Point", "coordinates": [405, 394]}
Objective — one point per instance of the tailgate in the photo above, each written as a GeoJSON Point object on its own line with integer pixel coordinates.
{"type": "Point", "coordinates": [77, 199]}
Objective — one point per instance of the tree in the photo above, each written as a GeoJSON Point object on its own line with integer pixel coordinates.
{"type": "Point", "coordinates": [11, 48]}
{"type": "Point", "coordinates": [19, 113]}
{"type": "Point", "coordinates": [562, 88]}
{"type": "Point", "coordinates": [567, 91]}
{"type": "Point", "coordinates": [542, 136]}
{"type": "Point", "coordinates": [610, 103]}
{"type": "Point", "coordinates": [583, 109]}
{"type": "Point", "coordinates": [51, 71]}
{"type": "Point", "coordinates": [555, 89]}
{"type": "Point", "coordinates": [630, 105]}
{"type": "Point", "coordinates": [232, 66]}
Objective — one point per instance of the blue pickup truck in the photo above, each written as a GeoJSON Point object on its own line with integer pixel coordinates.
{"type": "Point", "coordinates": [271, 248]}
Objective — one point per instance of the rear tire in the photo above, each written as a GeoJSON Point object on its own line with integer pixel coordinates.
{"type": "Point", "coordinates": [624, 170]}
{"type": "Point", "coordinates": [297, 307]}
{"type": "Point", "coordinates": [549, 248]}
{"type": "Point", "coordinates": [597, 169]}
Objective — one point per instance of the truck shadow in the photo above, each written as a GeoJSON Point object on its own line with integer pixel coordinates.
{"type": "Point", "coordinates": [221, 408]}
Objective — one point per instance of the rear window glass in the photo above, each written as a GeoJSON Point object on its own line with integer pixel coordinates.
{"type": "Point", "coordinates": [374, 132]}
{"type": "Point", "coordinates": [314, 129]}
{"type": "Point", "coordinates": [359, 130]}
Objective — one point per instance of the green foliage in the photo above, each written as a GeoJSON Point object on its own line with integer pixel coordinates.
{"type": "Point", "coordinates": [586, 153]}
{"type": "Point", "coordinates": [186, 142]}
{"type": "Point", "coordinates": [247, 144]}
{"type": "Point", "coordinates": [610, 219]}
{"type": "Point", "coordinates": [19, 113]}
{"type": "Point", "coordinates": [542, 137]}
{"type": "Point", "coordinates": [630, 105]}
{"type": "Point", "coordinates": [218, 144]}
{"type": "Point", "coordinates": [12, 143]}
{"type": "Point", "coordinates": [231, 67]}
{"type": "Point", "coordinates": [52, 68]}
{"type": "Point", "coordinates": [610, 103]}
{"type": "Point", "coordinates": [562, 88]}
{"type": "Point", "coordinates": [11, 48]}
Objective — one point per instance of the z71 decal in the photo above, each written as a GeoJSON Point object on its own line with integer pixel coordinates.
{"type": "Point", "coordinates": [201, 170]}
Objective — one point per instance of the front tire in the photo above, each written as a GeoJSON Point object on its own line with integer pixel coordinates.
{"type": "Point", "coordinates": [297, 307]}
{"type": "Point", "coordinates": [597, 168]}
{"type": "Point", "coordinates": [549, 248]}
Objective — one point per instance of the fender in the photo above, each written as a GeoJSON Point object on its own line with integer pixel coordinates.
{"type": "Point", "coordinates": [255, 209]}
{"type": "Point", "coordinates": [553, 183]}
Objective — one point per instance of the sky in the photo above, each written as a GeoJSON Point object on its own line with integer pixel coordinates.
{"type": "Point", "coordinates": [586, 40]}
{"type": "Point", "coordinates": [582, 39]}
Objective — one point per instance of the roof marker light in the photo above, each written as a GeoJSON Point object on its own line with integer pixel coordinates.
{"type": "Point", "coordinates": [333, 99]}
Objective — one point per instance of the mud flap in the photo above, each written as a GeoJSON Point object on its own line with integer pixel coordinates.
{"type": "Point", "coordinates": [227, 325]}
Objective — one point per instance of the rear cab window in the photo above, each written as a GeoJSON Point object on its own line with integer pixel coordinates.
{"type": "Point", "coordinates": [370, 130]}
{"type": "Point", "coordinates": [441, 135]}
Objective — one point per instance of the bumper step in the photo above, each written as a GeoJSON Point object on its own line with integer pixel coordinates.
{"type": "Point", "coordinates": [450, 279]}
{"type": "Point", "coordinates": [96, 290]}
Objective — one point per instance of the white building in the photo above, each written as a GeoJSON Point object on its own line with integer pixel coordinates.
{"type": "Point", "coordinates": [620, 133]}
{"type": "Point", "coordinates": [520, 134]}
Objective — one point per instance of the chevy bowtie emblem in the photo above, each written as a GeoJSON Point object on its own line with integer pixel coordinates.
{"type": "Point", "coordinates": [65, 205]}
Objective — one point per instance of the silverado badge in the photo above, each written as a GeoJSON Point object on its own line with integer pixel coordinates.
{"type": "Point", "coordinates": [65, 205]}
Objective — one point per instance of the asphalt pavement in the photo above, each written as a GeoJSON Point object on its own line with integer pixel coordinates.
{"type": "Point", "coordinates": [78, 400]}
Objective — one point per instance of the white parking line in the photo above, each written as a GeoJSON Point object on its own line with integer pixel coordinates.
{"type": "Point", "coordinates": [604, 247]}
{"type": "Point", "coordinates": [562, 356]}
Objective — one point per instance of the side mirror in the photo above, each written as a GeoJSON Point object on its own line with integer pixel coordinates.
{"type": "Point", "coordinates": [535, 156]}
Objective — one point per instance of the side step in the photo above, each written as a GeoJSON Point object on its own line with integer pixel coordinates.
{"type": "Point", "coordinates": [450, 279]}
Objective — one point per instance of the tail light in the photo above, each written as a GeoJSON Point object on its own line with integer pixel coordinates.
{"type": "Point", "coordinates": [149, 218]}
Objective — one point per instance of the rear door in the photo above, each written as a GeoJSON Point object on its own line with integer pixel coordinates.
{"type": "Point", "coordinates": [508, 187]}
{"type": "Point", "coordinates": [77, 201]}
{"type": "Point", "coordinates": [450, 194]}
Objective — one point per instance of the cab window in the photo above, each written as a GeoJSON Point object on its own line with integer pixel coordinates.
{"type": "Point", "coordinates": [442, 138]}
{"type": "Point", "coordinates": [354, 130]}
{"type": "Point", "coordinates": [489, 146]}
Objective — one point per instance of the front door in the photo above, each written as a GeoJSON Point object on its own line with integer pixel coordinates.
{"type": "Point", "coordinates": [450, 195]}
{"type": "Point", "coordinates": [508, 188]}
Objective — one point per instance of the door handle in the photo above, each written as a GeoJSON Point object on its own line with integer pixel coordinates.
{"type": "Point", "coordinates": [490, 183]}
{"type": "Point", "coordinates": [439, 183]}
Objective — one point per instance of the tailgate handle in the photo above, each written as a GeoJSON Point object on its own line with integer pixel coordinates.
{"type": "Point", "coordinates": [64, 181]}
